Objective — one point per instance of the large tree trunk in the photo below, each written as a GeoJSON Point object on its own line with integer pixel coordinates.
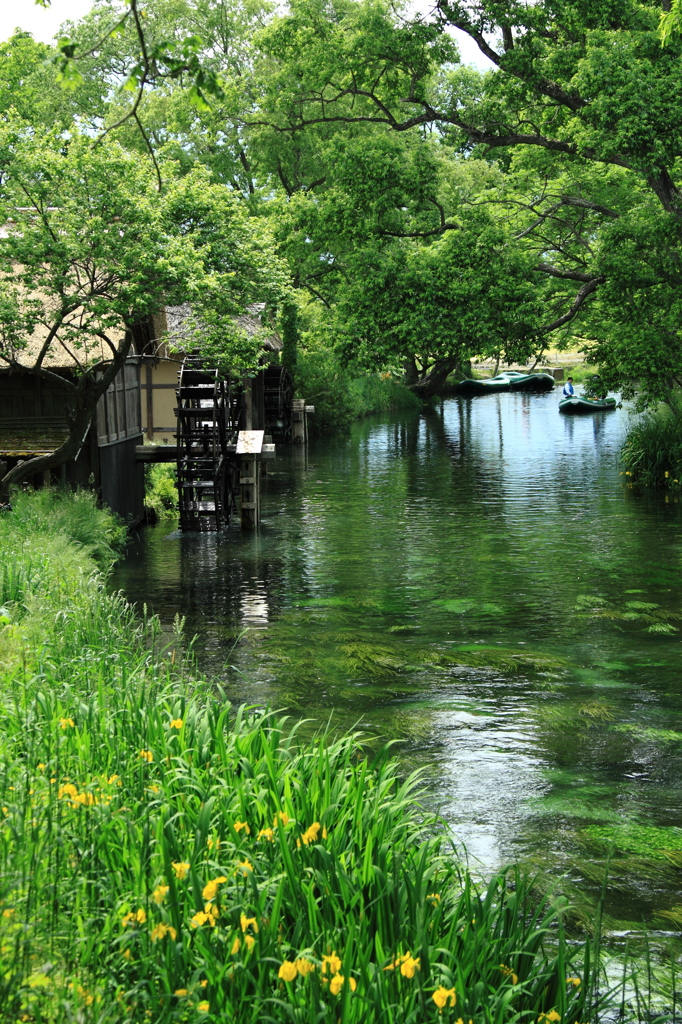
{"type": "Point", "coordinates": [83, 398]}
{"type": "Point", "coordinates": [411, 373]}
{"type": "Point", "coordinates": [431, 384]}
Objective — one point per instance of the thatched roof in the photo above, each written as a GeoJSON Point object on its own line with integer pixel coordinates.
{"type": "Point", "coordinates": [251, 323]}
{"type": "Point", "coordinates": [180, 331]}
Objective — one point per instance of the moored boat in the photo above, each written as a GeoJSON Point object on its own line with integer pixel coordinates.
{"type": "Point", "coordinates": [509, 380]}
{"type": "Point", "coordinates": [577, 404]}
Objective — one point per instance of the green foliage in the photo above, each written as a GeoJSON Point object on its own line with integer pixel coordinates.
{"type": "Point", "coordinates": [68, 515]}
{"type": "Point", "coordinates": [28, 85]}
{"type": "Point", "coordinates": [588, 194]}
{"type": "Point", "coordinates": [468, 292]}
{"type": "Point", "coordinates": [166, 857]}
{"type": "Point", "coordinates": [651, 453]}
{"type": "Point", "coordinates": [671, 21]}
{"type": "Point", "coordinates": [340, 396]}
{"type": "Point", "coordinates": [161, 488]}
{"type": "Point", "coordinates": [435, 212]}
{"type": "Point", "coordinates": [290, 337]}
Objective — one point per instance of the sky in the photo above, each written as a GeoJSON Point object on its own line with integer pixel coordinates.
{"type": "Point", "coordinates": [43, 24]}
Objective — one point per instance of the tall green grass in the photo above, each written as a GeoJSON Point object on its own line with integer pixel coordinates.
{"type": "Point", "coordinates": [167, 858]}
{"type": "Point", "coordinates": [161, 488]}
{"type": "Point", "coordinates": [651, 454]}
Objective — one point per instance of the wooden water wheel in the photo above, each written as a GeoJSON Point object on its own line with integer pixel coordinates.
{"type": "Point", "coordinates": [206, 474]}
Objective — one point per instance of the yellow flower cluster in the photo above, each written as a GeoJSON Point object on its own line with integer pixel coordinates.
{"type": "Point", "coordinates": [209, 915]}
{"type": "Point", "coordinates": [78, 989]}
{"type": "Point", "coordinates": [66, 723]}
{"type": "Point", "coordinates": [147, 755]}
{"type": "Point", "coordinates": [291, 969]}
{"type": "Point", "coordinates": [442, 996]}
{"type": "Point", "coordinates": [176, 723]}
{"type": "Point", "coordinates": [210, 890]}
{"type": "Point", "coordinates": [135, 916]}
{"type": "Point", "coordinates": [552, 1016]}
{"type": "Point", "coordinates": [159, 931]}
{"type": "Point", "coordinates": [332, 962]}
{"type": "Point", "coordinates": [336, 984]}
{"type": "Point", "coordinates": [407, 964]}
{"type": "Point", "coordinates": [573, 981]}
{"type": "Point", "coordinates": [508, 973]}
{"type": "Point", "coordinates": [180, 869]}
{"type": "Point", "coordinates": [310, 834]}
{"type": "Point", "coordinates": [69, 792]}
{"type": "Point", "coordinates": [281, 817]}
{"type": "Point", "coordinates": [159, 894]}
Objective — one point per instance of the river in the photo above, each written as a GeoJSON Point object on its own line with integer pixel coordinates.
{"type": "Point", "coordinates": [478, 585]}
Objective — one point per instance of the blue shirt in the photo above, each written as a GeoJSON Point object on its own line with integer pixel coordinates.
{"type": "Point", "coordinates": [568, 390]}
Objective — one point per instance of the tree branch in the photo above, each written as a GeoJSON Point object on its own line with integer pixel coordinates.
{"type": "Point", "coordinates": [544, 85]}
{"type": "Point", "coordinates": [568, 275]}
{"type": "Point", "coordinates": [150, 148]}
{"type": "Point", "coordinates": [587, 289]}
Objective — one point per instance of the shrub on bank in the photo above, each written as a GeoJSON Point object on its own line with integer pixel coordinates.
{"type": "Point", "coordinates": [651, 454]}
{"type": "Point", "coordinates": [340, 397]}
{"type": "Point", "coordinates": [166, 858]}
{"type": "Point", "coordinates": [161, 488]}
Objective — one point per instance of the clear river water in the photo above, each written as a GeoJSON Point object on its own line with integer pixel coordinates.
{"type": "Point", "coordinates": [478, 585]}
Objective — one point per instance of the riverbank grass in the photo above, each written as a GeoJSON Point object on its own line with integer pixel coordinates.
{"type": "Point", "coordinates": [651, 454]}
{"type": "Point", "coordinates": [167, 858]}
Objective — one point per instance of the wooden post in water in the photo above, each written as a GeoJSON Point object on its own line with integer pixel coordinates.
{"type": "Point", "coordinates": [298, 421]}
{"type": "Point", "coordinates": [249, 448]}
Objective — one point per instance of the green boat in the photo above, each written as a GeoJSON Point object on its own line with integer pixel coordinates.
{"type": "Point", "coordinates": [509, 380]}
{"type": "Point", "coordinates": [576, 405]}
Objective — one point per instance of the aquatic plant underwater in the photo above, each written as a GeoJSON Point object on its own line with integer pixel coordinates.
{"type": "Point", "coordinates": [165, 857]}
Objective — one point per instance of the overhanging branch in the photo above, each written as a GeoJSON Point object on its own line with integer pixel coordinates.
{"type": "Point", "coordinates": [587, 289]}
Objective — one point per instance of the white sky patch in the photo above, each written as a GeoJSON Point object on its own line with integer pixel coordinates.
{"type": "Point", "coordinates": [42, 23]}
{"type": "Point", "coordinates": [468, 49]}
{"type": "Point", "coordinates": [470, 52]}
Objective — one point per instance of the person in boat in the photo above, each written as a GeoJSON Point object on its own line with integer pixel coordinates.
{"type": "Point", "coordinates": [568, 388]}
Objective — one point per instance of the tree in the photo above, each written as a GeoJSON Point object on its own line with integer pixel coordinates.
{"type": "Point", "coordinates": [343, 122]}
{"type": "Point", "coordinates": [92, 248]}
{"type": "Point", "coordinates": [28, 86]}
{"type": "Point", "coordinates": [582, 113]}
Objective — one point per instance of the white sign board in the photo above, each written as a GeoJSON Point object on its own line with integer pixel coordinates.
{"type": "Point", "coordinates": [250, 442]}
